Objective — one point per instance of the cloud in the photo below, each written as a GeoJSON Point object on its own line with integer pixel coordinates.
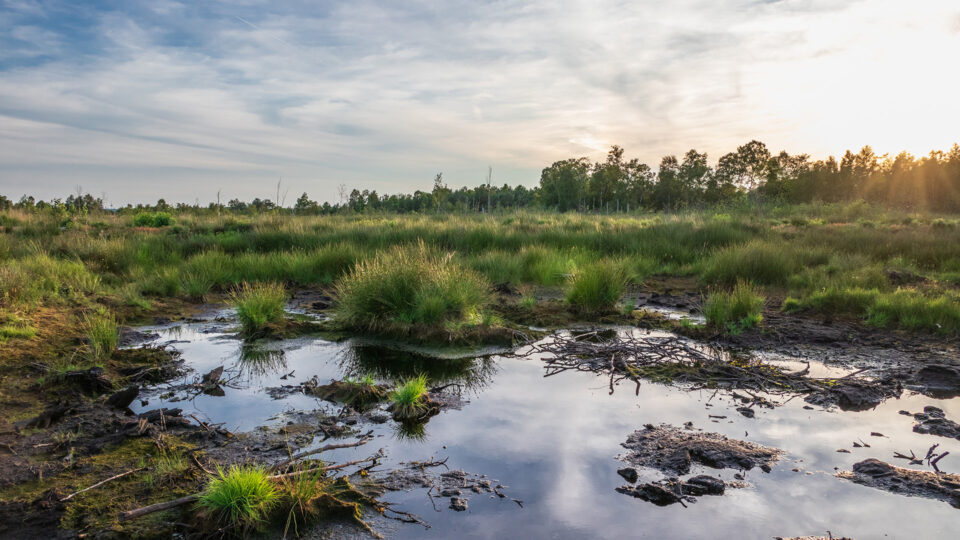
{"type": "Point", "coordinates": [383, 95]}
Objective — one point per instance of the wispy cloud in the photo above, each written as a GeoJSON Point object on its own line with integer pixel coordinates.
{"type": "Point", "coordinates": [181, 99]}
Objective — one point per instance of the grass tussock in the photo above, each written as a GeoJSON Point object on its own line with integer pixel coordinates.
{"type": "Point", "coordinates": [597, 287]}
{"type": "Point", "coordinates": [259, 305]}
{"type": "Point", "coordinates": [735, 310]}
{"type": "Point", "coordinates": [410, 285]}
{"type": "Point", "coordinates": [409, 399]}
{"type": "Point", "coordinates": [241, 497]}
{"type": "Point", "coordinates": [102, 335]}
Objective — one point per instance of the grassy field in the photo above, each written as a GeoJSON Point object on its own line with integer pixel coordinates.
{"type": "Point", "coordinates": [888, 268]}
{"type": "Point", "coordinates": [884, 268]}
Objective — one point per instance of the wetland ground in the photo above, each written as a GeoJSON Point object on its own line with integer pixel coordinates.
{"type": "Point", "coordinates": [138, 360]}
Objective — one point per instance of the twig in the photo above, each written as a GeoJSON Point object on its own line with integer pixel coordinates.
{"type": "Point", "coordinates": [100, 483]}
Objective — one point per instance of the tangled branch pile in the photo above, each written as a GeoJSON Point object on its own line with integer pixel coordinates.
{"type": "Point", "coordinates": [672, 359]}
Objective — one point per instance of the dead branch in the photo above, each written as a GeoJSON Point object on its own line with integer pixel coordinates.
{"type": "Point", "coordinates": [159, 507]}
{"type": "Point", "coordinates": [364, 439]}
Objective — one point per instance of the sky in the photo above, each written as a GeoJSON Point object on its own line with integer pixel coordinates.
{"type": "Point", "coordinates": [142, 100]}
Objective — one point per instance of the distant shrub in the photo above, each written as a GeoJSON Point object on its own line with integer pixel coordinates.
{"type": "Point", "coordinates": [152, 219]}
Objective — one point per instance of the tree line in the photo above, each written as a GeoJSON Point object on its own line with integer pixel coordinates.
{"type": "Point", "coordinates": [617, 184]}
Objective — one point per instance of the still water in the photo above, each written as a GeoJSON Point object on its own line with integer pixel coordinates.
{"type": "Point", "coordinates": [553, 441]}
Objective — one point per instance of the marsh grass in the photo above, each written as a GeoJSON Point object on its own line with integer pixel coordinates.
{"type": "Point", "coordinates": [102, 333]}
{"type": "Point", "coordinates": [597, 287]}
{"type": "Point", "coordinates": [166, 468]}
{"type": "Point", "coordinates": [409, 285]}
{"type": "Point", "coordinates": [735, 310]}
{"type": "Point", "coordinates": [240, 496]}
{"type": "Point", "coordinates": [259, 305]}
{"type": "Point", "coordinates": [408, 398]}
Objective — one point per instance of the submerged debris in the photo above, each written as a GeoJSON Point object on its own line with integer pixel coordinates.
{"type": "Point", "coordinates": [455, 484]}
{"type": "Point", "coordinates": [672, 450]}
{"type": "Point", "coordinates": [933, 421]}
{"type": "Point", "coordinates": [880, 475]}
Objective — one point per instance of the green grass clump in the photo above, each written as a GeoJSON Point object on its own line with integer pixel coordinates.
{"type": "Point", "coordinates": [911, 310]}
{"type": "Point", "coordinates": [735, 310]}
{"type": "Point", "coordinates": [259, 304]}
{"type": "Point", "coordinates": [166, 468]}
{"type": "Point", "coordinates": [409, 285]}
{"type": "Point", "coordinates": [103, 333]}
{"type": "Point", "coordinates": [241, 497]}
{"type": "Point", "coordinates": [597, 287]}
{"type": "Point", "coordinates": [408, 398]}
{"type": "Point", "coordinates": [791, 304]}
{"type": "Point", "coordinates": [152, 219]}
{"type": "Point", "coordinates": [758, 262]}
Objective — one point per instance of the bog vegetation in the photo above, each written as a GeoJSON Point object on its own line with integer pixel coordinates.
{"type": "Point", "coordinates": [883, 267]}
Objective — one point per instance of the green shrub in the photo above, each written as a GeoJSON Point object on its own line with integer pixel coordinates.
{"type": "Point", "coordinates": [597, 287]}
{"type": "Point", "coordinates": [152, 219]}
{"type": "Point", "coordinates": [735, 310]}
{"type": "Point", "coordinates": [259, 304]}
{"type": "Point", "coordinates": [240, 497]}
{"type": "Point", "coordinates": [409, 285]}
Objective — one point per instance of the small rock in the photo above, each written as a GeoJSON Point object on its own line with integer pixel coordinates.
{"type": "Point", "coordinates": [450, 492]}
{"type": "Point", "coordinates": [746, 411]}
{"type": "Point", "coordinates": [458, 504]}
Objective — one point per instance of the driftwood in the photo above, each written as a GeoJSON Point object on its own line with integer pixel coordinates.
{"type": "Point", "coordinates": [159, 507]}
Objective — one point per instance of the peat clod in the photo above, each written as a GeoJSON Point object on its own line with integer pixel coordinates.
{"type": "Point", "coordinates": [880, 475]}
{"type": "Point", "coordinates": [210, 382]}
{"type": "Point", "coordinates": [130, 337]}
{"type": "Point", "coordinates": [48, 417]}
{"type": "Point", "coordinates": [855, 394]}
{"type": "Point", "coordinates": [629, 474]}
{"type": "Point", "coordinates": [933, 421]}
{"type": "Point", "coordinates": [703, 485]}
{"type": "Point", "coordinates": [937, 380]}
{"type": "Point", "coordinates": [360, 395]}
{"type": "Point", "coordinates": [651, 492]}
{"type": "Point", "coordinates": [89, 381]}
{"type": "Point", "coordinates": [122, 399]}
{"type": "Point", "coordinates": [667, 492]}
{"type": "Point", "coordinates": [673, 451]}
